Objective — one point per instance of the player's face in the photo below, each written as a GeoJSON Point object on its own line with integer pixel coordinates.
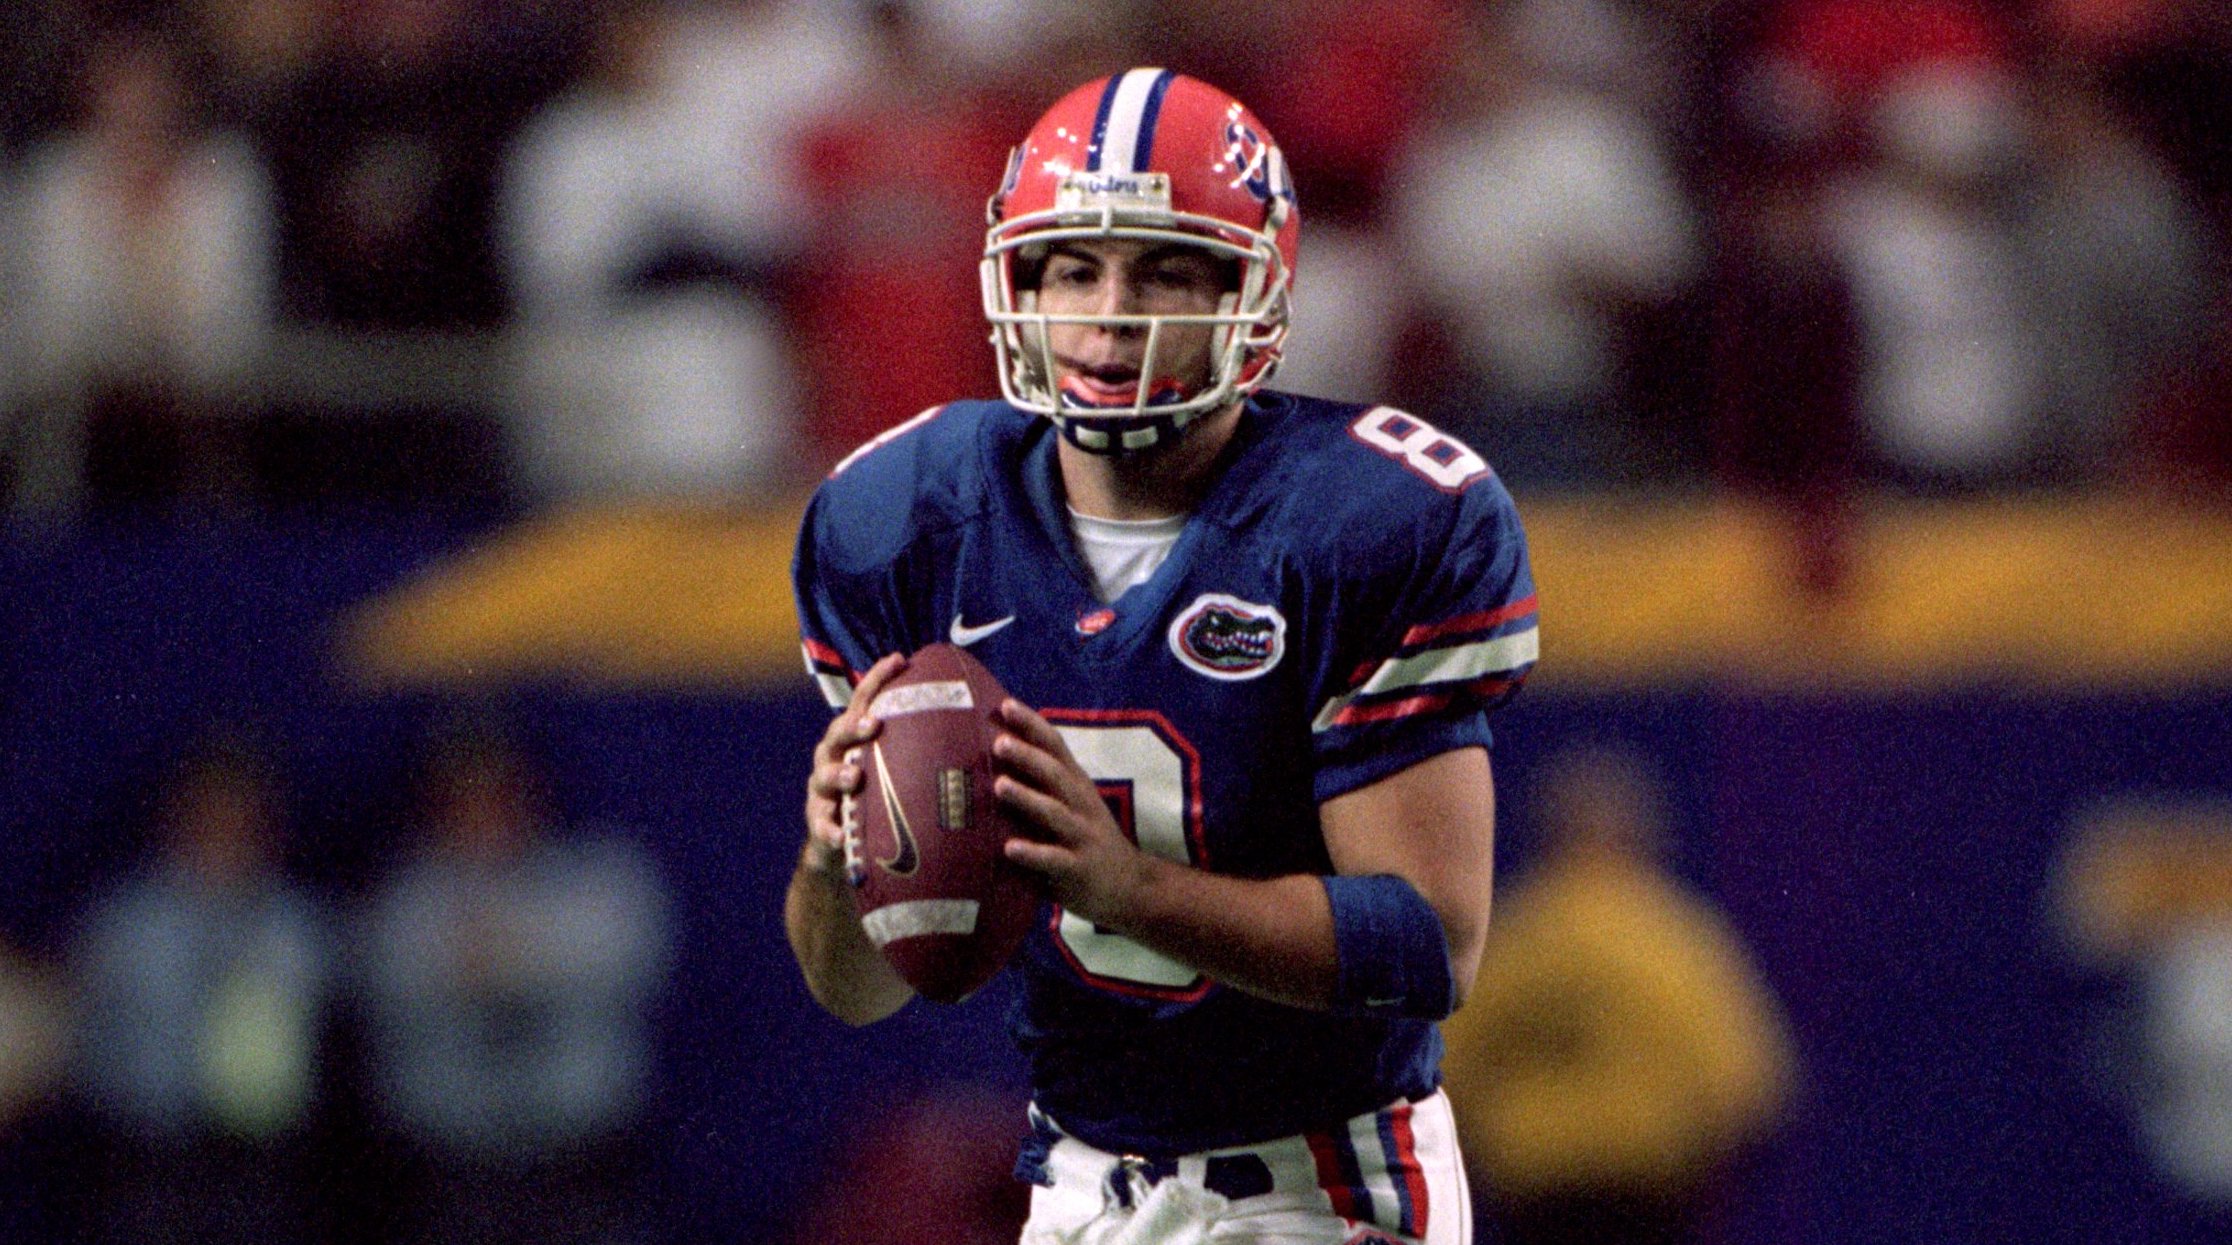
{"type": "Point", "coordinates": [1101, 364]}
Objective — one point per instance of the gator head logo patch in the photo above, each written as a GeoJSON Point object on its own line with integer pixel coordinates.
{"type": "Point", "coordinates": [1228, 638]}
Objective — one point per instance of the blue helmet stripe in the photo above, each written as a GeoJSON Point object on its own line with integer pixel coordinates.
{"type": "Point", "coordinates": [1100, 123]}
{"type": "Point", "coordinates": [1124, 127]}
{"type": "Point", "coordinates": [1143, 151]}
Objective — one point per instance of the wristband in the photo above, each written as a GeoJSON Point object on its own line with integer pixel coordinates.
{"type": "Point", "coordinates": [1394, 956]}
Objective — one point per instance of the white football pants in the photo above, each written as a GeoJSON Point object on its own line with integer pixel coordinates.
{"type": "Point", "coordinates": [1388, 1176]}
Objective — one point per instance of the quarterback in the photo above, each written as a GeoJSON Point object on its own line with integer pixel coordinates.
{"type": "Point", "coordinates": [1252, 638]}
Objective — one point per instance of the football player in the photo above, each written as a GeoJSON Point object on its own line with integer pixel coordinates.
{"type": "Point", "coordinates": [1253, 639]}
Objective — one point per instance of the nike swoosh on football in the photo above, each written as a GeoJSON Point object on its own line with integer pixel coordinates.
{"type": "Point", "coordinates": [904, 856]}
{"type": "Point", "coordinates": [964, 635]}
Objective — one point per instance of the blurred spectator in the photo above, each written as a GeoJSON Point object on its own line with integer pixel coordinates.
{"type": "Point", "coordinates": [746, 77]}
{"type": "Point", "coordinates": [508, 974]}
{"type": "Point", "coordinates": [2119, 266]}
{"type": "Point", "coordinates": [651, 355]}
{"type": "Point", "coordinates": [34, 1041]}
{"type": "Point", "coordinates": [1354, 81]}
{"type": "Point", "coordinates": [937, 1170]}
{"type": "Point", "coordinates": [384, 121]}
{"type": "Point", "coordinates": [259, 51]}
{"type": "Point", "coordinates": [1785, 361]}
{"type": "Point", "coordinates": [890, 317]}
{"type": "Point", "coordinates": [146, 290]}
{"type": "Point", "coordinates": [1537, 216]}
{"type": "Point", "coordinates": [35, 56]}
{"type": "Point", "coordinates": [1821, 66]}
{"type": "Point", "coordinates": [2170, 63]}
{"type": "Point", "coordinates": [1618, 1049]}
{"type": "Point", "coordinates": [1032, 49]}
{"type": "Point", "coordinates": [385, 158]}
{"type": "Point", "coordinates": [2012, 266]}
{"type": "Point", "coordinates": [33, 1037]}
{"type": "Point", "coordinates": [1930, 222]}
{"type": "Point", "coordinates": [2146, 896]}
{"type": "Point", "coordinates": [2185, 423]}
{"type": "Point", "coordinates": [1953, 336]}
{"type": "Point", "coordinates": [201, 982]}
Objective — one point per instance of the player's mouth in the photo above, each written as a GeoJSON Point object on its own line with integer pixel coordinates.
{"type": "Point", "coordinates": [1102, 384]}
{"type": "Point", "coordinates": [1115, 384]}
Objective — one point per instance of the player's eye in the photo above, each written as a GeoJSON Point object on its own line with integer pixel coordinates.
{"type": "Point", "coordinates": [1071, 274]}
{"type": "Point", "coordinates": [1182, 279]}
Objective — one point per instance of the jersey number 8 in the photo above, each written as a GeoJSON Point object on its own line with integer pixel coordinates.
{"type": "Point", "coordinates": [1150, 776]}
{"type": "Point", "coordinates": [1443, 460]}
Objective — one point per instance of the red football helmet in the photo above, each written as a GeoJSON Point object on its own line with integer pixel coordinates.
{"type": "Point", "coordinates": [1152, 155]}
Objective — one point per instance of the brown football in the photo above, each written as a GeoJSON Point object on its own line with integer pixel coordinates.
{"type": "Point", "coordinates": [934, 890]}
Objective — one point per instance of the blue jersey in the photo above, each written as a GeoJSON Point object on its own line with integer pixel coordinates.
{"type": "Point", "coordinates": [1350, 598]}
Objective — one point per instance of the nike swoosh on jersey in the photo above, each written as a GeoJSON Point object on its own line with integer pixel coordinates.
{"type": "Point", "coordinates": [963, 635]}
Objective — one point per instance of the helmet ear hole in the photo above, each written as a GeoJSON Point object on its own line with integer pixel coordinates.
{"type": "Point", "coordinates": [1029, 267]}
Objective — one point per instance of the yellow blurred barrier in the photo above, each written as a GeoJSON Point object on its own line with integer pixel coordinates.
{"type": "Point", "coordinates": [2098, 592]}
{"type": "Point", "coordinates": [636, 596]}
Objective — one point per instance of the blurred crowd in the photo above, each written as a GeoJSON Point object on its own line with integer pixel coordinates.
{"type": "Point", "coordinates": [456, 1046]}
{"type": "Point", "coordinates": [485, 255]}
{"type": "Point", "coordinates": [500, 253]}
{"type": "Point", "coordinates": [2144, 904]}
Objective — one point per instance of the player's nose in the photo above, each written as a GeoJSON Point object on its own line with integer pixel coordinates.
{"type": "Point", "coordinates": [1120, 295]}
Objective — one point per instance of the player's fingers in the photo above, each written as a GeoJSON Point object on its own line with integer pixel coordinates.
{"type": "Point", "coordinates": [1058, 777]}
{"type": "Point", "coordinates": [829, 832]}
{"type": "Point", "coordinates": [1027, 725]}
{"type": "Point", "coordinates": [1027, 761]}
{"type": "Point", "coordinates": [826, 788]}
{"type": "Point", "coordinates": [833, 781]}
{"type": "Point", "coordinates": [1039, 807]}
{"type": "Point", "coordinates": [851, 729]}
{"type": "Point", "coordinates": [856, 725]}
{"type": "Point", "coordinates": [884, 671]}
{"type": "Point", "coordinates": [1045, 858]}
{"type": "Point", "coordinates": [821, 808]}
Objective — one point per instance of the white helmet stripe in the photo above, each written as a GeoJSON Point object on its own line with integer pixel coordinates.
{"type": "Point", "coordinates": [1281, 189]}
{"type": "Point", "coordinates": [1124, 132]}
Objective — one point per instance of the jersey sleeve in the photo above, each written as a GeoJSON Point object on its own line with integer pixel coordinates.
{"type": "Point", "coordinates": [861, 572]}
{"type": "Point", "coordinates": [844, 623]}
{"type": "Point", "coordinates": [1458, 640]}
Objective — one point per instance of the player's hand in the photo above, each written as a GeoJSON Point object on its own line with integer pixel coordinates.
{"type": "Point", "coordinates": [1090, 865]}
{"type": "Point", "coordinates": [837, 773]}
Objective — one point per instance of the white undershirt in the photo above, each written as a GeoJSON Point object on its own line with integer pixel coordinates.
{"type": "Point", "coordinates": [1123, 552]}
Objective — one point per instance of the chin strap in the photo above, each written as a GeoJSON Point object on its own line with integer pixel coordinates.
{"type": "Point", "coordinates": [1113, 431]}
{"type": "Point", "coordinates": [1111, 436]}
